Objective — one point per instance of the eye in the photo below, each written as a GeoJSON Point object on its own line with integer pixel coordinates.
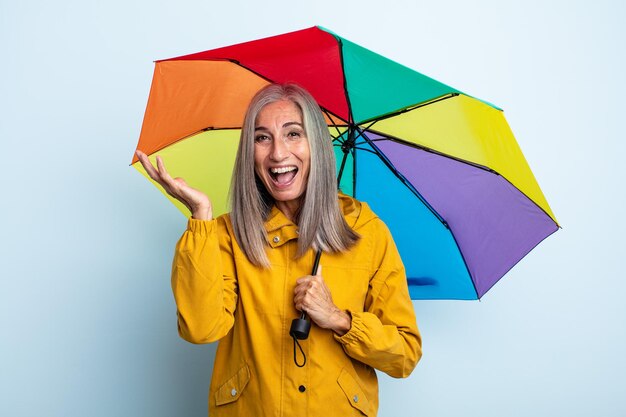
{"type": "Point", "coordinates": [294, 134]}
{"type": "Point", "coordinates": [261, 138]}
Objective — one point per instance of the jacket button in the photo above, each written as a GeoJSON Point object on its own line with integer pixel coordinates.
{"type": "Point", "coordinates": [301, 388]}
{"type": "Point", "coordinates": [276, 239]}
{"type": "Point", "coordinates": [356, 398]}
{"type": "Point", "coordinates": [233, 392]}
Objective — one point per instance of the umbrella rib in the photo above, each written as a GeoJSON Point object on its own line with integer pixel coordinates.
{"type": "Point", "coordinates": [339, 134]}
{"type": "Point", "coordinates": [519, 260]}
{"type": "Point", "coordinates": [371, 124]}
{"type": "Point", "coordinates": [427, 149]}
{"type": "Point", "coordinates": [403, 179]}
{"type": "Point", "coordinates": [365, 150]}
{"type": "Point", "coordinates": [359, 148]}
{"type": "Point", "coordinates": [469, 273]}
{"type": "Point", "coordinates": [411, 108]}
{"type": "Point", "coordinates": [258, 74]}
{"type": "Point", "coordinates": [325, 110]}
{"type": "Point", "coordinates": [373, 140]}
{"type": "Point", "coordinates": [345, 80]}
{"type": "Point", "coordinates": [411, 188]}
{"type": "Point", "coordinates": [206, 129]}
{"type": "Point", "coordinates": [329, 114]}
{"type": "Point", "coordinates": [462, 161]}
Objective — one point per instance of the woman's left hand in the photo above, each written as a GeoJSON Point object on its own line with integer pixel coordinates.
{"type": "Point", "coordinates": [312, 296]}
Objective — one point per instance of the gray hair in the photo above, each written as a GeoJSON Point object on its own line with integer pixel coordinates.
{"type": "Point", "coordinates": [320, 221]}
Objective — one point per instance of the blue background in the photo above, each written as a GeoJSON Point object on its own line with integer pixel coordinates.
{"type": "Point", "coordinates": [87, 319]}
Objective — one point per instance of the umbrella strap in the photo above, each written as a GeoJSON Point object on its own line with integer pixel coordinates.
{"type": "Point", "coordinates": [300, 327]}
{"type": "Point", "coordinates": [295, 356]}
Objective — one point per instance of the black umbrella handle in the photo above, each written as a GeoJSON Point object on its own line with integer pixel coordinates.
{"type": "Point", "coordinates": [301, 327]}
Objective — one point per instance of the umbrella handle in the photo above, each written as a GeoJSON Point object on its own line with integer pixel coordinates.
{"type": "Point", "coordinates": [300, 327]}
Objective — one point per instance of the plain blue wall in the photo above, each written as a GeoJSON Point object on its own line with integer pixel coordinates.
{"type": "Point", "coordinates": [86, 315]}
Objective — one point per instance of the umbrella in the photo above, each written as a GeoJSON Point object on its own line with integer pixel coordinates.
{"type": "Point", "coordinates": [440, 167]}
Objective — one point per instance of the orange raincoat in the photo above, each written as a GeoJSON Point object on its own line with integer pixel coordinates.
{"type": "Point", "coordinates": [221, 296]}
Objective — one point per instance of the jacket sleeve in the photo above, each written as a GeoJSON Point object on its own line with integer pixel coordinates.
{"type": "Point", "coordinates": [385, 335]}
{"type": "Point", "coordinates": [204, 282]}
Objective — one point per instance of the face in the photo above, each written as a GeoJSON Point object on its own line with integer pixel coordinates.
{"type": "Point", "coordinates": [281, 153]}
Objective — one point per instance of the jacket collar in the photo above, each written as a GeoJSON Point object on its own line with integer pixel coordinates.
{"type": "Point", "coordinates": [281, 230]}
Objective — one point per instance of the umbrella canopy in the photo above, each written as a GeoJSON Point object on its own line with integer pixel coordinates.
{"type": "Point", "coordinates": [441, 168]}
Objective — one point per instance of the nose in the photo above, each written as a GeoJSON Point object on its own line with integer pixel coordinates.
{"type": "Point", "coordinates": [279, 151]}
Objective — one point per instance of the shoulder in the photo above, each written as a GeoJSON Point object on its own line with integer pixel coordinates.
{"type": "Point", "coordinates": [224, 220]}
{"type": "Point", "coordinates": [375, 235]}
{"type": "Point", "coordinates": [223, 227]}
{"type": "Point", "coordinates": [360, 217]}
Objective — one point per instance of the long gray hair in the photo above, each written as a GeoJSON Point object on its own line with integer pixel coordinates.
{"type": "Point", "coordinates": [320, 222]}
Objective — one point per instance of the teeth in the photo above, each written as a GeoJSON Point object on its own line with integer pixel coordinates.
{"type": "Point", "coordinates": [282, 170]}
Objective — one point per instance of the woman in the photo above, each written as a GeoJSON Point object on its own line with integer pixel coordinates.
{"type": "Point", "coordinates": [243, 277]}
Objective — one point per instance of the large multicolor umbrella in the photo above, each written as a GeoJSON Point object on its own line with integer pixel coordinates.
{"type": "Point", "coordinates": [440, 167]}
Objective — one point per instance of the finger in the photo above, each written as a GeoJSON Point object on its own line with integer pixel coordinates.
{"type": "Point", "coordinates": [152, 172]}
{"type": "Point", "coordinates": [139, 154]}
{"type": "Point", "coordinates": [165, 176]}
{"type": "Point", "coordinates": [302, 280]}
{"type": "Point", "coordinates": [147, 165]}
{"type": "Point", "coordinates": [302, 287]}
{"type": "Point", "coordinates": [299, 303]}
{"type": "Point", "coordinates": [313, 285]}
{"type": "Point", "coordinates": [161, 167]}
{"type": "Point", "coordinates": [303, 304]}
{"type": "Point", "coordinates": [304, 296]}
{"type": "Point", "coordinates": [297, 291]}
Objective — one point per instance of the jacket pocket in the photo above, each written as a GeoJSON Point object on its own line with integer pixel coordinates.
{"type": "Point", "coordinates": [354, 393]}
{"type": "Point", "coordinates": [231, 390]}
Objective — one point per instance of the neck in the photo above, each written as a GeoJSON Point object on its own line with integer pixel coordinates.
{"type": "Point", "coordinates": [289, 208]}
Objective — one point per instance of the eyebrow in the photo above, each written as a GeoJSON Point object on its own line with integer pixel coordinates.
{"type": "Point", "coordinates": [284, 125]}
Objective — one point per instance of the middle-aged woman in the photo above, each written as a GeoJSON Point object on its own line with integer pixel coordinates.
{"type": "Point", "coordinates": [241, 278]}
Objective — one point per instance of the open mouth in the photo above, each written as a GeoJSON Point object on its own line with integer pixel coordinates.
{"type": "Point", "coordinates": [283, 175]}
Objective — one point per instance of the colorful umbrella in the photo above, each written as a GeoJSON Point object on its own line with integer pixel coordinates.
{"type": "Point", "coordinates": [441, 168]}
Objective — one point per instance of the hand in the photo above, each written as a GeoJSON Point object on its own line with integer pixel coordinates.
{"type": "Point", "coordinates": [312, 296]}
{"type": "Point", "coordinates": [196, 201]}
